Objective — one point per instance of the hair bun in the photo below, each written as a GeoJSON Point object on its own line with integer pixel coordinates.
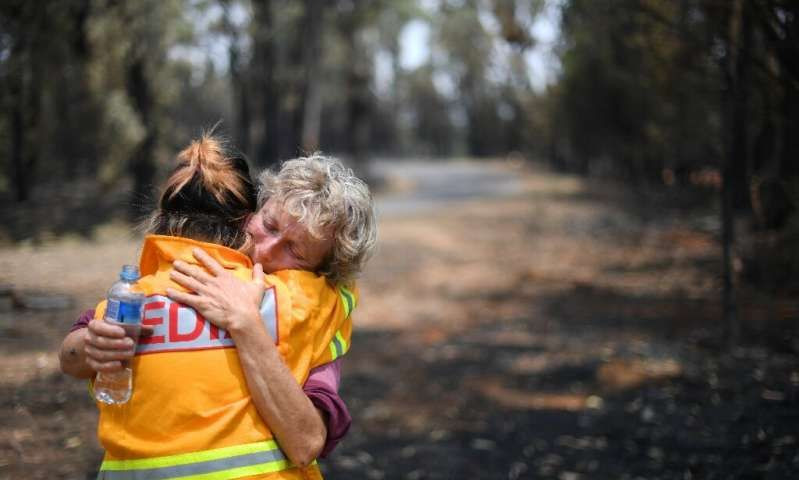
{"type": "Point", "coordinates": [208, 195]}
{"type": "Point", "coordinates": [206, 161]}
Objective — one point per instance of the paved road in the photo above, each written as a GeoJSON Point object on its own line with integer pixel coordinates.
{"type": "Point", "coordinates": [419, 185]}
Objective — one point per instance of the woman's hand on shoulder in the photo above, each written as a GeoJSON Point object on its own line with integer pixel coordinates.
{"type": "Point", "coordinates": [224, 300]}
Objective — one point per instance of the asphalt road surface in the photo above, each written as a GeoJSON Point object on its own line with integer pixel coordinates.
{"type": "Point", "coordinates": [415, 186]}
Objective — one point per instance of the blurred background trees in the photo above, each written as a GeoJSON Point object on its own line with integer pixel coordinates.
{"type": "Point", "coordinates": [98, 94]}
{"type": "Point", "coordinates": [552, 312]}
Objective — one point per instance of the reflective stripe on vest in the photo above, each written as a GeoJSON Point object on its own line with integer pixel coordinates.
{"type": "Point", "coordinates": [349, 300]}
{"type": "Point", "coordinates": [219, 463]}
{"type": "Point", "coordinates": [269, 313]}
{"type": "Point", "coordinates": [338, 346]}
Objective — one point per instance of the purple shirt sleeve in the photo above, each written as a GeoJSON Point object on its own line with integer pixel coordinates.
{"type": "Point", "coordinates": [83, 320]}
{"type": "Point", "coordinates": [321, 388]}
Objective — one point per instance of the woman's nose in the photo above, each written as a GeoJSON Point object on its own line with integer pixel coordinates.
{"type": "Point", "coordinates": [269, 245]}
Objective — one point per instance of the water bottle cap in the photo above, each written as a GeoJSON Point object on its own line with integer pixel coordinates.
{"type": "Point", "coordinates": [129, 273]}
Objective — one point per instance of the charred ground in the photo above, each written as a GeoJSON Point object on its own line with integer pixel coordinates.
{"type": "Point", "coordinates": [567, 331]}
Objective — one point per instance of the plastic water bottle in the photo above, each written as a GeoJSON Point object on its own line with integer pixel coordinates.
{"type": "Point", "coordinates": [124, 309]}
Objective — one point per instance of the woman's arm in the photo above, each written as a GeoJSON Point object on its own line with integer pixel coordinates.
{"type": "Point", "coordinates": [72, 355]}
{"type": "Point", "coordinates": [298, 426]}
{"type": "Point", "coordinates": [233, 305]}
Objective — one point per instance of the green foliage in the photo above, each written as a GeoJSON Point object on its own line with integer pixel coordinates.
{"type": "Point", "coordinates": [637, 95]}
{"type": "Point", "coordinates": [649, 86]}
{"type": "Point", "coordinates": [643, 93]}
{"type": "Point", "coordinates": [660, 91]}
{"type": "Point", "coordinates": [66, 63]}
{"type": "Point", "coordinates": [118, 87]}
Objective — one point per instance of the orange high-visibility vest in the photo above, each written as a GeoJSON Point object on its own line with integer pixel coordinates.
{"type": "Point", "coordinates": [190, 415]}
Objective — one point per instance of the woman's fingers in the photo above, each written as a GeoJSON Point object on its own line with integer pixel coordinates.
{"type": "Point", "coordinates": [106, 343]}
{"type": "Point", "coordinates": [105, 329]}
{"type": "Point", "coordinates": [103, 335]}
{"type": "Point", "coordinates": [107, 367]}
{"type": "Point", "coordinates": [187, 281]}
{"type": "Point", "coordinates": [101, 355]}
{"type": "Point", "coordinates": [106, 346]}
{"type": "Point", "coordinates": [104, 350]}
{"type": "Point", "coordinates": [192, 271]}
{"type": "Point", "coordinates": [258, 274]}
{"type": "Point", "coordinates": [212, 265]}
{"type": "Point", "coordinates": [185, 298]}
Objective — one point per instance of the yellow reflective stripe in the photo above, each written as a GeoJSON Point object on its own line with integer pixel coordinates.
{"type": "Point", "coordinates": [204, 471]}
{"type": "Point", "coordinates": [348, 299]}
{"type": "Point", "coordinates": [188, 458]}
{"type": "Point", "coordinates": [344, 346]}
{"type": "Point", "coordinates": [338, 346]}
{"type": "Point", "coordinates": [238, 472]}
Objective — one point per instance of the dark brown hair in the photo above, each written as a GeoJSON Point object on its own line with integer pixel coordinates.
{"type": "Point", "coordinates": [207, 197]}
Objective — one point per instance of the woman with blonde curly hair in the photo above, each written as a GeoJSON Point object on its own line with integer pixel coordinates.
{"type": "Point", "coordinates": [315, 226]}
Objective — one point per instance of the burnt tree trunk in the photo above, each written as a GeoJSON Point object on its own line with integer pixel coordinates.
{"type": "Point", "coordinates": [312, 97]}
{"type": "Point", "coordinates": [24, 84]}
{"type": "Point", "coordinates": [240, 83]}
{"type": "Point", "coordinates": [741, 87]}
{"type": "Point", "coordinates": [142, 162]}
{"type": "Point", "coordinates": [267, 152]}
{"type": "Point", "coordinates": [735, 67]}
{"type": "Point", "coordinates": [19, 172]}
{"type": "Point", "coordinates": [357, 80]}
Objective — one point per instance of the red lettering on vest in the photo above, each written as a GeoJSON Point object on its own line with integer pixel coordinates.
{"type": "Point", "coordinates": [174, 334]}
{"type": "Point", "coordinates": [215, 331]}
{"type": "Point", "coordinates": [152, 321]}
{"type": "Point", "coordinates": [178, 328]}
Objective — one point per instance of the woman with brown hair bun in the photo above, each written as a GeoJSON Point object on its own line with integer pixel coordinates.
{"type": "Point", "coordinates": [208, 196]}
{"type": "Point", "coordinates": [204, 403]}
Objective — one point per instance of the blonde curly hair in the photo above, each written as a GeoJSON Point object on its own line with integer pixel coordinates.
{"type": "Point", "coordinates": [325, 196]}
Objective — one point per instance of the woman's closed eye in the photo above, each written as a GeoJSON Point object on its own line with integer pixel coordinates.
{"type": "Point", "coordinates": [295, 252]}
{"type": "Point", "coordinates": [270, 226]}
